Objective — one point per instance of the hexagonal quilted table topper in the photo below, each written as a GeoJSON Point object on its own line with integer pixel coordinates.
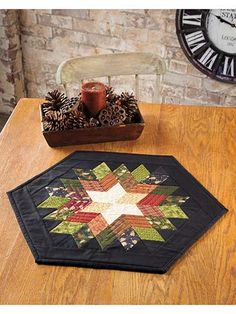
{"type": "Point", "coordinates": [114, 210]}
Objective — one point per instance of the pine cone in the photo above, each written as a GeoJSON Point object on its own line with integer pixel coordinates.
{"type": "Point", "coordinates": [57, 112]}
{"type": "Point", "coordinates": [76, 118]}
{"type": "Point", "coordinates": [69, 104]}
{"type": "Point", "coordinates": [46, 108]}
{"type": "Point", "coordinates": [55, 99]}
{"type": "Point", "coordinates": [51, 126]}
{"type": "Point", "coordinates": [111, 97]}
{"type": "Point", "coordinates": [129, 103]}
{"type": "Point", "coordinates": [74, 123]}
{"type": "Point", "coordinates": [55, 115]}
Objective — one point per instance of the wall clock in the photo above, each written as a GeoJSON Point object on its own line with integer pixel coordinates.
{"type": "Point", "coordinates": [208, 38]}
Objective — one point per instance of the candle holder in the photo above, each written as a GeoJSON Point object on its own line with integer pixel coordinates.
{"type": "Point", "coordinates": [93, 95]}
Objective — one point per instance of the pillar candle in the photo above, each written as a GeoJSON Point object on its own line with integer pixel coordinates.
{"type": "Point", "coordinates": [93, 96]}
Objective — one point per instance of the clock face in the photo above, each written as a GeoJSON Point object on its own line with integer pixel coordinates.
{"type": "Point", "coordinates": [208, 38]}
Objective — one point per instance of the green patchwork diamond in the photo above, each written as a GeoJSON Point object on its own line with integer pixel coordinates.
{"type": "Point", "coordinates": [71, 183]}
{"type": "Point", "coordinates": [101, 171]}
{"type": "Point", "coordinates": [67, 227]}
{"type": "Point", "coordinates": [172, 211]}
{"type": "Point", "coordinates": [148, 234]}
{"type": "Point", "coordinates": [85, 174]}
{"type": "Point", "coordinates": [106, 237]}
{"type": "Point", "coordinates": [60, 214]}
{"type": "Point", "coordinates": [172, 199]}
{"type": "Point", "coordinates": [83, 235]}
{"type": "Point", "coordinates": [164, 190]}
{"type": "Point", "coordinates": [140, 173]}
{"type": "Point", "coordinates": [121, 172]}
{"type": "Point", "coordinates": [160, 223]}
{"type": "Point", "coordinates": [53, 202]}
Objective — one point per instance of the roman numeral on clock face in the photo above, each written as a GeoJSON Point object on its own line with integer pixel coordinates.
{"type": "Point", "coordinates": [208, 58]}
{"type": "Point", "coordinates": [194, 19]}
{"type": "Point", "coordinates": [195, 40]}
{"type": "Point", "coordinates": [228, 68]}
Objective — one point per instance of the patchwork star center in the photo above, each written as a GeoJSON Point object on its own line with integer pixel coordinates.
{"type": "Point", "coordinates": [111, 196]}
{"type": "Point", "coordinates": [116, 210]}
{"type": "Point", "coordinates": [114, 206]}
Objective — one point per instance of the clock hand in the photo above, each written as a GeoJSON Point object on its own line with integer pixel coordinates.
{"type": "Point", "coordinates": [223, 21]}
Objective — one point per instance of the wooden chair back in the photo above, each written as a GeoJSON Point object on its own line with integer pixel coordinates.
{"type": "Point", "coordinates": [83, 68]}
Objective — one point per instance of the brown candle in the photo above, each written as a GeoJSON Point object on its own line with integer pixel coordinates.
{"type": "Point", "coordinates": [94, 97]}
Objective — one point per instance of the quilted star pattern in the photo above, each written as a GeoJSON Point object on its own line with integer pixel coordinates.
{"type": "Point", "coordinates": [115, 206]}
{"type": "Point", "coordinates": [110, 210]}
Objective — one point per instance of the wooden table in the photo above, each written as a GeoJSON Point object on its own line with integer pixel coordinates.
{"type": "Point", "coordinates": [201, 138]}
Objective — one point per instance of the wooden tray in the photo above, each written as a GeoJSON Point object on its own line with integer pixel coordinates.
{"type": "Point", "coordinates": [93, 135]}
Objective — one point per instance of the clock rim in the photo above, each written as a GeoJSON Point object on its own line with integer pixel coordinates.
{"type": "Point", "coordinates": [196, 64]}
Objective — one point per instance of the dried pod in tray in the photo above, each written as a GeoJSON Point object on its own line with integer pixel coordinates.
{"type": "Point", "coordinates": [93, 122]}
{"type": "Point", "coordinates": [112, 115]}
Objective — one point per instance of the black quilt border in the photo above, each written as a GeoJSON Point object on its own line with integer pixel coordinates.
{"type": "Point", "coordinates": [102, 264]}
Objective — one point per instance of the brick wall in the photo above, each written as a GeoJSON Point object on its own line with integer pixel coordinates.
{"type": "Point", "coordinates": [11, 71]}
{"type": "Point", "coordinates": [50, 36]}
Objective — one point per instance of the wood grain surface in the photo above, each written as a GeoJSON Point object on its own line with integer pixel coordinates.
{"type": "Point", "coordinates": [201, 138]}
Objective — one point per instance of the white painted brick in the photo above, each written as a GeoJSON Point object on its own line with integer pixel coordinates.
{"type": "Point", "coordinates": [79, 13]}
{"type": "Point", "coordinates": [37, 30]}
{"type": "Point", "coordinates": [172, 91]}
{"type": "Point", "coordinates": [62, 21]}
{"type": "Point", "coordinates": [172, 100]}
{"type": "Point", "coordinates": [34, 42]}
{"type": "Point", "coordinates": [89, 26]}
{"type": "Point", "coordinates": [135, 34]}
{"type": "Point", "coordinates": [203, 96]}
{"type": "Point", "coordinates": [137, 11]}
{"type": "Point", "coordinates": [175, 53]}
{"type": "Point", "coordinates": [194, 71]}
{"type": "Point", "coordinates": [230, 101]}
{"type": "Point", "coordinates": [231, 91]}
{"type": "Point", "coordinates": [42, 11]}
{"type": "Point", "coordinates": [178, 66]}
{"type": "Point", "coordinates": [215, 86]}
{"type": "Point", "coordinates": [182, 80]}
{"type": "Point", "coordinates": [27, 17]}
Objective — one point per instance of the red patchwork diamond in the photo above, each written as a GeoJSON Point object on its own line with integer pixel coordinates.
{"type": "Point", "coordinates": [98, 224]}
{"type": "Point", "coordinates": [92, 185]}
{"type": "Point", "coordinates": [108, 181]}
{"type": "Point", "coordinates": [119, 226]}
{"type": "Point", "coordinates": [82, 217]}
{"type": "Point", "coordinates": [142, 188]}
{"type": "Point", "coordinates": [152, 199]}
{"type": "Point", "coordinates": [137, 221]}
{"type": "Point", "coordinates": [149, 210]}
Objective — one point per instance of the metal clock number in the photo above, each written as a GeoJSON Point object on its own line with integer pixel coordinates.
{"type": "Point", "coordinates": [208, 38]}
